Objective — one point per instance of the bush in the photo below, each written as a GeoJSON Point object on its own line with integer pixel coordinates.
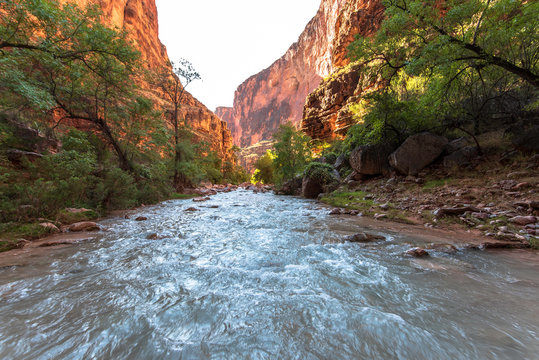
{"type": "Point", "coordinates": [264, 169]}
{"type": "Point", "coordinates": [292, 153]}
{"type": "Point", "coordinates": [322, 173]}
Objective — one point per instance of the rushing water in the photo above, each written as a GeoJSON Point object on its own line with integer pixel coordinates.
{"type": "Point", "coordinates": [263, 277]}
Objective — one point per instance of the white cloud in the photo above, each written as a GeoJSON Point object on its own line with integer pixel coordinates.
{"type": "Point", "coordinates": [228, 41]}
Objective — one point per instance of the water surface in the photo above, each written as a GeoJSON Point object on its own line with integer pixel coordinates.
{"type": "Point", "coordinates": [263, 277]}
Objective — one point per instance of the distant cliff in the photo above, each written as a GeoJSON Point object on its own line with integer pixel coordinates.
{"type": "Point", "coordinates": [139, 19]}
{"type": "Point", "coordinates": [277, 95]}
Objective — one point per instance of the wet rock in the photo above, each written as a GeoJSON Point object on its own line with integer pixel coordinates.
{"type": "Point", "coordinates": [446, 248]}
{"type": "Point", "coordinates": [364, 237]}
{"type": "Point", "coordinates": [417, 152]}
{"type": "Point", "coordinates": [191, 209]}
{"type": "Point", "coordinates": [50, 227]}
{"type": "Point", "coordinates": [201, 199]}
{"type": "Point", "coordinates": [380, 216]}
{"type": "Point", "coordinates": [371, 159]}
{"type": "Point", "coordinates": [534, 205]}
{"type": "Point", "coordinates": [152, 237]}
{"type": "Point", "coordinates": [84, 226]}
{"type": "Point", "coordinates": [523, 220]}
{"type": "Point", "coordinates": [417, 252]}
{"type": "Point", "coordinates": [503, 245]}
{"type": "Point", "coordinates": [141, 218]}
{"type": "Point", "coordinates": [335, 211]}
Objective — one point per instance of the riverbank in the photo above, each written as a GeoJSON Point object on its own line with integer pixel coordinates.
{"type": "Point", "coordinates": [446, 237]}
{"type": "Point", "coordinates": [498, 203]}
{"type": "Point", "coordinates": [74, 225]}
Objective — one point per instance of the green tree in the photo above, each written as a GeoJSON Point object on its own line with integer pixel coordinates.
{"type": "Point", "coordinates": [169, 80]}
{"type": "Point", "coordinates": [457, 64]}
{"type": "Point", "coordinates": [292, 152]}
{"type": "Point", "coordinates": [455, 35]}
{"type": "Point", "coordinates": [264, 168]}
{"type": "Point", "coordinates": [61, 59]}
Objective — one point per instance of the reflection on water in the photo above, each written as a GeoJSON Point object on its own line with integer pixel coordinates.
{"type": "Point", "coordinates": [268, 279]}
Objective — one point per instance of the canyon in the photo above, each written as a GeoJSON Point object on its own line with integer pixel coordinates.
{"type": "Point", "coordinates": [139, 19]}
{"type": "Point", "coordinates": [278, 94]}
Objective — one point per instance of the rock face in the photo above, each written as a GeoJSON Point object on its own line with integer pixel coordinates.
{"type": "Point", "coordinates": [277, 94]}
{"type": "Point", "coordinates": [249, 155]}
{"type": "Point", "coordinates": [326, 114]}
{"type": "Point", "coordinates": [417, 152]}
{"type": "Point", "coordinates": [371, 159]}
{"type": "Point", "coordinates": [139, 19]}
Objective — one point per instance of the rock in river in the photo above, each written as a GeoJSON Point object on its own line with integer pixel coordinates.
{"type": "Point", "coordinates": [364, 237]}
{"type": "Point", "coordinates": [84, 226]}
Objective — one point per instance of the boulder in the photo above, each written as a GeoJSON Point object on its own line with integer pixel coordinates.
{"type": "Point", "coordinates": [523, 220]}
{"type": "Point", "coordinates": [141, 218]}
{"type": "Point", "coordinates": [460, 157]}
{"type": "Point", "coordinates": [291, 187]}
{"type": "Point", "coordinates": [363, 237]}
{"type": "Point", "coordinates": [456, 145]}
{"type": "Point", "coordinates": [319, 178]}
{"type": "Point", "coordinates": [446, 248]}
{"type": "Point", "coordinates": [417, 152]}
{"type": "Point", "coordinates": [84, 226]}
{"type": "Point", "coordinates": [417, 252]}
{"type": "Point", "coordinates": [341, 162]}
{"type": "Point", "coordinates": [371, 159]}
{"type": "Point", "coordinates": [191, 209]}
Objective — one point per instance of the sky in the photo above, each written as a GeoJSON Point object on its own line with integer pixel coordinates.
{"type": "Point", "coordinates": [227, 41]}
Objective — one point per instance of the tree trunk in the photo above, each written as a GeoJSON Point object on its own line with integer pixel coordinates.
{"type": "Point", "coordinates": [125, 164]}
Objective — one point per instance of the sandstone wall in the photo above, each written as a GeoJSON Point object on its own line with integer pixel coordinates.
{"type": "Point", "coordinates": [139, 19]}
{"type": "Point", "coordinates": [277, 94]}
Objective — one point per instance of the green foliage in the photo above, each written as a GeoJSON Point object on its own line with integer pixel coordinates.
{"type": "Point", "coordinates": [264, 169]}
{"type": "Point", "coordinates": [433, 184]}
{"type": "Point", "coordinates": [321, 172]}
{"type": "Point", "coordinates": [292, 153]}
{"type": "Point", "coordinates": [234, 174]}
{"type": "Point", "coordinates": [353, 200]}
{"type": "Point", "coordinates": [457, 65]}
{"type": "Point", "coordinates": [66, 217]}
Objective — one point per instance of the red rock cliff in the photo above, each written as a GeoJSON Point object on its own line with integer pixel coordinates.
{"type": "Point", "coordinates": [277, 95]}
{"type": "Point", "coordinates": [139, 19]}
{"type": "Point", "coordinates": [326, 114]}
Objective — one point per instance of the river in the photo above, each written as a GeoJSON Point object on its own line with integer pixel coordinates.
{"type": "Point", "coordinates": [264, 277]}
